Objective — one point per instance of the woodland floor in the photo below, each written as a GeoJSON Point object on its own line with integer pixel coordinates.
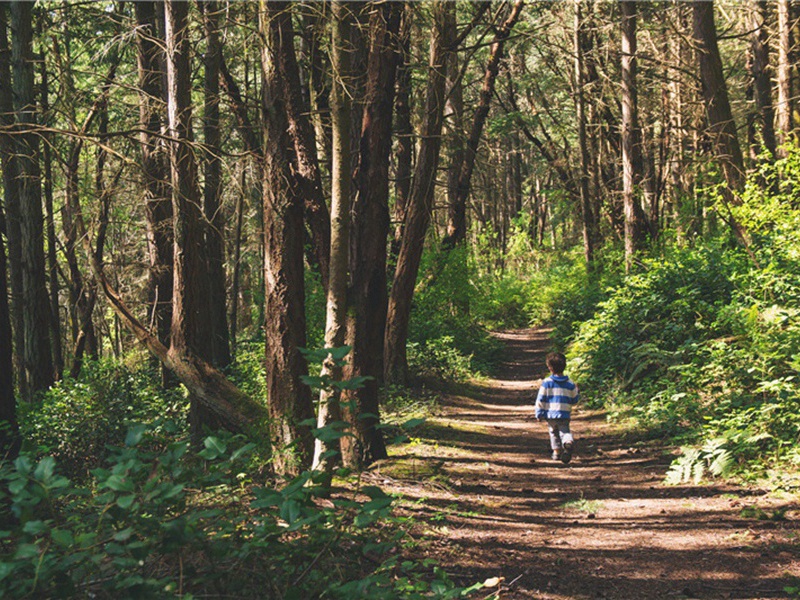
{"type": "Point", "coordinates": [490, 503]}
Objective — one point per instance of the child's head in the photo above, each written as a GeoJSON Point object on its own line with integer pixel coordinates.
{"type": "Point", "coordinates": [556, 362]}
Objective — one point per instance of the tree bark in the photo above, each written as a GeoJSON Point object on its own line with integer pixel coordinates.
{"type": "Point", "coordinates": [36, 309]}
{"type": "Point", "coordinates": [762, 82]}
{"type": "Point", "coordinates": [155, 165]}
{"type": "Point", "coordinates": [631, 137]}
{"type": "Point", "coordinates": [9, 430]}
{"type": "Point", "coordinates": [191, 311]}
{"type": "Point", "coordinates": [301, 135]}
{"type": "Point", "coordinates": [721, 126]}
{"type": "Point", "coordinates": [325, 453]}
{"type": "Point", "coordinates": [420, 201]}
{"type": "Point", "coordinates": [403, 131]}
{"type": "Point", "coordinates": [366, 313]}
{"type": "Point", "coordinates": [12, 227]}
{"type": "Point", "coordinates": [215, 218]}
{"type": "Point", "coordinates": [290, 403]}
{"type": "Point", "coordinates": [589, 225]}
{"type": "Point", "coordinates": [52, 261]}
{"type": "Point", "coordinates": [783, 109]}
{"type": "Point", "coordinates": [457, 224]}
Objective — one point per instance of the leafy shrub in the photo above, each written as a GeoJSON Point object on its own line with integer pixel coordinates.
{"type": "Point", "coordinates": [167, 523]}
{"type": "Point", "coordinates": [78, 418]}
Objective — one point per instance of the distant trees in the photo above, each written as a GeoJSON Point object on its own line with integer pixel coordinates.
{"type": "Point", "coordinates": [338, 142]}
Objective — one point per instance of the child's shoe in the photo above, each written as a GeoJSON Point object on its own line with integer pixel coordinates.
{"type": "Point", "coordinates": [566, 455]}
{"type": "Point", "coordinates": [557, 455]}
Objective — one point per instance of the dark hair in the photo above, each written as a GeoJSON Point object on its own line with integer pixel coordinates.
{"type": "Point", "coordinates": [556, 362]}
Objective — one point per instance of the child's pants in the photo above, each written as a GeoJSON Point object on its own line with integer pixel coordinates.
{"type": "Point", "coordinates": [559, 433]}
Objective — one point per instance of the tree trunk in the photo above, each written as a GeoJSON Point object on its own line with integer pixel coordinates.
{"type": "Point", "coordinates": [457, 224]}
{"type": "Point", "coordinates": [215, 247]}
{"type": "Point", "coordinates": [366, 314]}
{"type": "Point", "coordinates": [589, 226]}
{"type": "Point", "coordinates": [762, 82]}
{"type": "Point", "coordinates": [9, 430]}
{"type": "Point", "coordinates": [191, 311]}
{"type": "Point", "coordinates": [52, 262]}
{"type": "Point", "coordinates": [12, 228]}
{"type": "Point", "coordinates": [783, 109]}
{"type": "Point", "coordinates": [284, 192]}
{"type": "Point", "coordinates": [303, 143]}
{"type": "Point", "coordinates": [325, 454]}
{"type": "Point", "coordinates": [36, 309]}
{"type": "Point", "coordinates": [631, 137]}
{"type": "Point", "coordinates": [155, 165]}
{"type": "Point", "coordinates": [420, 201]}
{"type": "Point", "coordinates": [403, 131]}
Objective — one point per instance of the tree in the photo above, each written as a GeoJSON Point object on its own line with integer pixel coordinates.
{"type": "Point", "coordinates": [760, 69]}
{"type": "Point", "coordinates": [367, 300]}
{"type": "Point", "coordinates": [420, 202]}
{"type": "Point", "coordinates": [341, 173]}
{"type": "Point", "coordinates": [456, 226]}
{"type": "Point", "coordinates": [155, 165]}
{"type": "Point", "coordinates": [36, 309]}
{"type": "Point", "coordinates": [284, 199]}
{"type": "Point", "coordinates": [631, 150]}
{"type": "Point", "coordinates": [8, 401]}
{"type": "Point", "coordinates": [783, 109]}
{"type": "Point", "coordinates": [214, 216]}
{"type": "Point", "coordinates": [721, 126]}
{"type": "Point", "coordinates": [590, 233]}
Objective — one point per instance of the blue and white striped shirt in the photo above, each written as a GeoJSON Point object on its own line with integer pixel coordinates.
{"type": "Point", "coordinates": [557, 395]}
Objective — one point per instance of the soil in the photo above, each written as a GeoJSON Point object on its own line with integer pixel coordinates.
{"type": "Point", "coordinates": [490, 503]}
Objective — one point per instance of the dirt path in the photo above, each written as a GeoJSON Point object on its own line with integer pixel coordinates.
{"type": "Point", "coordinates": [493, 504]}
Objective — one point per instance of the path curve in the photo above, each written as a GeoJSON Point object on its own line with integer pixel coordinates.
{"type": "Point", "coordinates": [493, 504]}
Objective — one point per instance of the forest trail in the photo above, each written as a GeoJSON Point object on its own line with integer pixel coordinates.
{"type": "Point", "coordinates": [491, 503]}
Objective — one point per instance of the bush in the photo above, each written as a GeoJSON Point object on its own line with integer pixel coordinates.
{"type": "Point", "coordinates": [78, 418]}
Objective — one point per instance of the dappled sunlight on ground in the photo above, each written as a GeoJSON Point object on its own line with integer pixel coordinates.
{"type": "Point", "coordinates": [491, 503]}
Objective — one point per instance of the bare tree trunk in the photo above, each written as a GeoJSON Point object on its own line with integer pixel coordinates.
{"type": "Point", "coordinates": [326, 453]}
{"type": "Point", "coordinates": [589, 226]}
{"type": "Point", "coordinates": [420, 201]}
{"type": "Point", "coordinates": [762, 82]}
{"type": "Point", "coordinates": [366, 315]}
{"type": "Point", "coordinates": [285, 325]}
{"type": "Point", "coordinates": [457, 224]}
{"type": "Point", "coordinates": [36, 308]}
{"type": "Point", "coordinates": [403, 131]}
{"type": "Point", "coordinates": [12, 226]}
{"type": "Point", "coordinates": [9, 436]}
{"type": "Point", "coordinates": [783, 109]}
{"type": "Point", "coordinates": [631, 137]}
{"type": "Point", "coordinates": [154, 160]}
{"type": "Point", "coordinates": [191, 311]}
{"type": "Point", "coordinates": [52, 263]}
{"type": "Point", "coordinates": [721, 126]}
{"type": "Point", "coordinates": [303, 143]}
{"type": "Point", "coordinates": [215, 246]}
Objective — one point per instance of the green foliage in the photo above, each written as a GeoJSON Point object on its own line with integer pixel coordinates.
{"type": "Point", "coordinates": [704, 344]}
{"type": "Point", "coordinates": [78, 418]}
{"type": "Point", "coordinates": [168, 523]}
{"type": "Point", "coordinates": [446, 336]}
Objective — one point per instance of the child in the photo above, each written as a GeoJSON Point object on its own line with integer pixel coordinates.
{"type": "Point", "coordinates": [555, 400]}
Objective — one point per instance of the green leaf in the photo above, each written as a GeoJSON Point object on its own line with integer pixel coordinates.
{"type": "Point", "coordinates": [119, 483]}
{"type": "Point", "coordinates": [214, 448]}
{"type": "Point", "coordinates": [125, 502]}
{"type": "Point", "coordinates": [62, 537]}
{"type": "Point", "coordinates": [135, 435]}
{"type": "Point", "coordinates": [412, 423]}
{"type": "Point", "coordinates": [44, 470]}
{"type": "Point", "coordinates": [35, 527]}
{"type": "Point", "coordinates": [123, 535]}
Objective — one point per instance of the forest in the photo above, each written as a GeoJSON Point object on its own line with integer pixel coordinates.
{"type": "Point", "coordinates": [257, 254]}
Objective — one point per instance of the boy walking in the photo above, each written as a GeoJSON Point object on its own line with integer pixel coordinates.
{"type": "Point", "coordinates": [557, 395]}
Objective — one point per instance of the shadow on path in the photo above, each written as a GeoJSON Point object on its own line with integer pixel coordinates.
{"type": "Point", "coordinates": [603, 526]}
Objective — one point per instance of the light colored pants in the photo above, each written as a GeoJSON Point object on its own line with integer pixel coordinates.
{"type": "Point", "coordinates": [559, 433]}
